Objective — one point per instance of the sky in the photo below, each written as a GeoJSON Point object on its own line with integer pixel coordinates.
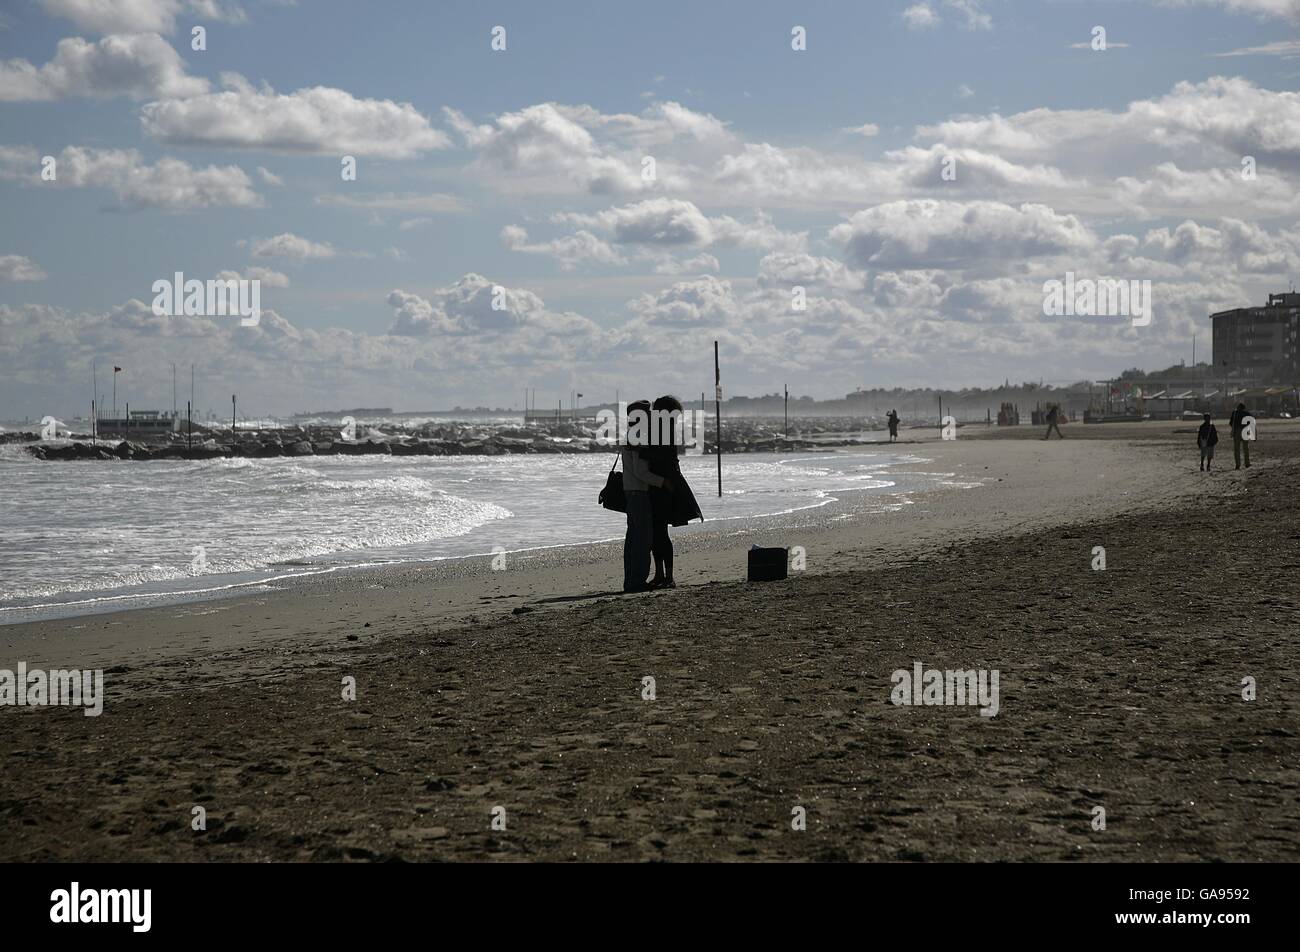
{"type": "Point", "coordinates": [628, 183]}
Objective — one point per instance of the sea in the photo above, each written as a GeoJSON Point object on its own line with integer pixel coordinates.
{"type": "Point", "coordinates": [82, 537]}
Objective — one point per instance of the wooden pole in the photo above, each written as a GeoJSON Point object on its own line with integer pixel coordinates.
{"type": "Point", "coordinates": [232, 418]}
{"type": "Point", "coordinates": [717, 409]}
{"type": "Point", "coordinates": [189, 423]}
{"type": "Point", "coordinates": [787, 411]}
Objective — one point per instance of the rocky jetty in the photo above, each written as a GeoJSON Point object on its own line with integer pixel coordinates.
{"type": "Point", "coordinates": [443, 439]}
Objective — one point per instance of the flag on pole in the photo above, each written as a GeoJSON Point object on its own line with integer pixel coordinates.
{"type": "Point", "coordinates": [117, 370]}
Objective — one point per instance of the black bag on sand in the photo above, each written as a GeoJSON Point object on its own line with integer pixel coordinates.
{"type": "Point", "coordinates": [612, 497]}
{"type": "Point", "coordinates": [767, 565]}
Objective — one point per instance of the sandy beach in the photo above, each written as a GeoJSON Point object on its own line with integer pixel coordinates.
{"type": "Point", "coordinates": [524, 689]}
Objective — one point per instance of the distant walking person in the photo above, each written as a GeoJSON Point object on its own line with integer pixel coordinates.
{"type": "Point", "coordinates": [638, 480]}
{"type": "Point", "coordinates": [892, 420]}
{"type": "Point", "coordinates": [1240, 445]}
{"type": "Point", "coordinates": [675, 507]}
{"type": "Point", "coordinates": [1207, 437]}
{"type": "Point", "coordinates": [1053, 414]}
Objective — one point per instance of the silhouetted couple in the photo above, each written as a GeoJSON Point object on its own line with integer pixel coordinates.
{"type": "Point", "coordinates": [657, 494]}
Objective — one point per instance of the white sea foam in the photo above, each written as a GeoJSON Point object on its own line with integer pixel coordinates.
{"type": "Point", "coordinates": [78, 532]}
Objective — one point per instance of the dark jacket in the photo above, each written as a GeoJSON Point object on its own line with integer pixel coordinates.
{"type": "Point", "coordinates": [679, 506]}
{"type": "Point", "coordinates": [1207, 435]}
{"type": "Point", "coordinates": [1235, 421]}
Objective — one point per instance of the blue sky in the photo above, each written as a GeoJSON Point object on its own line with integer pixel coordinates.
{"type": "Point", "coordinates": [521, 169]}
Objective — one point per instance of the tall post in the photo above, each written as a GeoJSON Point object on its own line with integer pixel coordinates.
{"type": "Point", "coordinates": [94, 437]}
{"type": "Point", "coordinates": [232, 418]}
{"type": "Point", "coordinates": [717, 409]}
{"type": "Point", "coordinates": [114, 391]}
{"type": "Point", "coordinates": [189, 426]}
{"type": "Point", "coordinates": [128, 419]}
{"type": "Point", "coordinates": [173, 391]}
{"type": "Point", "coordinates": [787, 411]}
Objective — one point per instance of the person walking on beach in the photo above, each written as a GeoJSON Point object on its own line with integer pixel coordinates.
{"type": "Point", "coordinates": [1207, 437]}
{"type": "Point", "coordinates": [638, 480]}
{"type": "Point", "coordinates": [892, 420]}
{"type": "Point", "coordinates": [1240, 445]}
{"type": "Point", "coordinates": [1053, 414]}
{"type": "Point", "coordinates": [669, 507]}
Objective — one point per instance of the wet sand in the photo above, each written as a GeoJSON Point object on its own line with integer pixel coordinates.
{"type": "Point", "coordinates": [523, 689]}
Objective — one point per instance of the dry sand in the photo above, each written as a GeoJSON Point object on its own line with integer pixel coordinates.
{"type": "Point", "coordinates": [1119, 689]}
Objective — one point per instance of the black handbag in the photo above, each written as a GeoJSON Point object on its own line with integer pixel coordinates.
{"type": "Point", "coordinates": [612, 496]}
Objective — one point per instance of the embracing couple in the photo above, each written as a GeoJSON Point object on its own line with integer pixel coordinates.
{"type": "Point", "coordinates": [657, 495]}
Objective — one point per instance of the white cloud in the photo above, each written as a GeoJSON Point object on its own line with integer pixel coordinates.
{"type": "Point", "coordinates": [269, 177]}
{"type": "Point", "coordinates": [934, 234]}
{"type": "Point", "coordinates": [396, 202]}
{"type": "Point", "coordinates": [550, 148]}
{"type": "Point", "coordinates": [703, 302]}
{"type": "Point", "coordinates": [318, 120]}
{"type": "Point", "coordinates": [19, 268]}
{"type": "Point", "coordinates": [466, 308]}
{"type": "Point", "coordinates": [139, 16]}
{"type": "Point", "coordinates": [1289, 9]}
{"type": "Point", "coordinates": [1287, 49]}
{"type": "Point", "coordinates": [654, 230]}
{"type": "Point", "coordinates": [141, 65]}
{"type": "Point", "coordinates": [971, 13]}
{"type": "Point", "coordinates": [571, 250]}
{"type": "Point", "coordinates": [168, 184]}
{"type": "Point", "coordinates": [787, 269]}
{"type": "Point", "coordinates": [288, 245]}
{"type": "Point", "coordinates": [866, 130]}
{"type": "Point", "coordinates": [920, 16]}
{"type": "Point", "coordinates": [272, 279]}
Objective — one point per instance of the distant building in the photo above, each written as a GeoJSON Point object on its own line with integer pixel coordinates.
{"type": "Point", "coordinates": [1261, 344]}
{"type": "Point", "coordinates": [140, 425]}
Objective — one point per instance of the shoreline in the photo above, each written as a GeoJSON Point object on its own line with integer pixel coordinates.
{"type": "Point", "coordinates": [277, 576]}
{"type": "Point", "coordinates": [848, 532]}
{"type": "Point", "coordinates": [768, 697]}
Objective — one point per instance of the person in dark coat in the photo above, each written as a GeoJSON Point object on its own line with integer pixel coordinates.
{"type": "Point", "coordinates": [675, 508]}
{"type": "Point", "coordinates": [1240, 445]}
{"type": "Point", "coordinates": [1207, 438]}
{"type": "Point", "coordinates": [1053, 418]}
{"type": "Point", "coordinates": [892, 419]}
